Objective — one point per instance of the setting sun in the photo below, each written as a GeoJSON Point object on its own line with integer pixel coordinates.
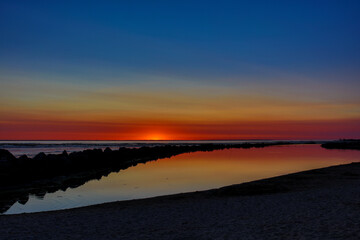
{"type": "Point", "coordinates": [156, 137]}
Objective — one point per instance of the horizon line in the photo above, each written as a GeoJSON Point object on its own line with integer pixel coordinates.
{"type": "Point", "coordinates": [164, 140]}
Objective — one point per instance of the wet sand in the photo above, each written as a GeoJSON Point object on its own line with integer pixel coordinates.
{"type": "Point", "coordinates": [316, 204]}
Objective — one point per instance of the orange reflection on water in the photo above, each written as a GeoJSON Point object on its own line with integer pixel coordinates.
{"type": "Point", "coordinates": [205, 170]}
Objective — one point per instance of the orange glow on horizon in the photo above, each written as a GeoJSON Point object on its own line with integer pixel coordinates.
{"type": "Point", "coordinates": [67, 130]}
{"type": "Point", "coordinates": [156, 137]}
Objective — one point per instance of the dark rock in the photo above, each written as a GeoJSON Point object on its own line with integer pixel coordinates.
{"type": "Point", "coordinates": [65, 154]}
{"type": "Point", "coordinates": [40, 157]}
{"type": "Point", "coordinates": [6, 157]}
{"type": "Point", "coordinates": [40, 194]}
{"type": "Point", "coordinates": [23, 158]}
{"type": "Point", "coordinates": [107, 150]}
{"type": "Point", "coordinates": [24, 199]}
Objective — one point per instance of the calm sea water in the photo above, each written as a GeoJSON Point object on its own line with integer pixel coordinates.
{"type": "Point", "coordinates": [191, 172]}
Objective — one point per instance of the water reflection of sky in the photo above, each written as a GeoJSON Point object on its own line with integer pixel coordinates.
{"type": "Point", "coordinates": [191, 172]}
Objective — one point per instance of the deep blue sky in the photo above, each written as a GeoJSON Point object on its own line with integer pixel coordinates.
{"type": "Point", "coordinates": [187, 38]}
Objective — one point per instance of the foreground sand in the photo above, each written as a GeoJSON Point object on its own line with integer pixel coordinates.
{"type": "Point", "coordinates": [317, 204]}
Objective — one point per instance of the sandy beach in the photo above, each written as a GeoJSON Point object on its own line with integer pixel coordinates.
{"type": "Point", "coordinates": [316, 204]}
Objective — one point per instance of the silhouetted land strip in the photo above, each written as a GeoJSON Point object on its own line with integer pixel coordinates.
{"type": "Point", "coordinates": [20, 177]}
{"type": "Point", "coordinates": [343, 144]}
{"type": "Point", "coordinates": [316, 204]}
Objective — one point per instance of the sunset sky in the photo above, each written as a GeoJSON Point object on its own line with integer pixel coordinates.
{"type": "Point", "coordinates": [176, 70]}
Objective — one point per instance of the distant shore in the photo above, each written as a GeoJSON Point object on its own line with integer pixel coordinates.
{"type": "Point", "coordinates": [353, 144]}
{"type": "Point", "coordinates": [316, 204]}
